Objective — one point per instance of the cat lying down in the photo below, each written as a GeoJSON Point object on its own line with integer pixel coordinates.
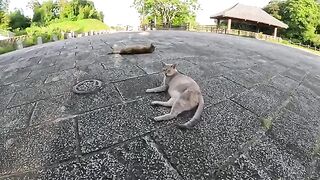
{"type": "Point", "coordinates": [185, 95]}
{"type": "Point", "coordinates": [135, 49]}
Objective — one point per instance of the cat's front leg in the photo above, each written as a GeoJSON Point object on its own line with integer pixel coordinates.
{"type": "Point", "coordinates": [157, 89]}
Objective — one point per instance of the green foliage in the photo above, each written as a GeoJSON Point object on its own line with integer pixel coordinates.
{"type": "Point", "coordinates": [267, 123]}
{"type": "Point", "coordinates": [80, 26]}
{"type": "Point", "coordinates": [4, 4]}
{"type": "Point", "coordinates": [49, 11]}
{"type": "Point", "coordinates": [6, 47]}
{"type": "Point", "coordinates": [302, 16]}
{"type": "Point", "coordinates": [19, 32]}
{"type": "Point", "coordinates": [44, 13]}
{"type": "Point", "coordinates": [48, 32]}
{"type": "Point", "coordinates": [18, 21]}
{"type": "Point", "coordinates": [44, 32]}
{"type": "Point", "coordinates": [4, 20]}
{"type": "Point", "coordinates": [275, 8]}
{"type": "Point", "coordinates": [168, 12]}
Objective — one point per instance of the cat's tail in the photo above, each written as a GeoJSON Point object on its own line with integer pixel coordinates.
{"type": "Point", "coordinates": [196, 116]}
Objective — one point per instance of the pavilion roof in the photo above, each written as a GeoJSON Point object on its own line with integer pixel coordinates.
{"type": "Point", "coordinates": [249, 13]}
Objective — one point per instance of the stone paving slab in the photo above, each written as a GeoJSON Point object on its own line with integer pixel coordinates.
{"type": "Point", "coordinates": [28, 96]}
{"type": "Point", "coordinates": [268, 69]}
{"type": "Point", "coordinates": [128, 161]}
{"type": "Point", "coordinates": [9, 77]}
{"type": "Point", "coordinates": [295, 74]}
{"type": "Point", "coordinates": [263, 100]}
{"type": "Point", "coordinates": [283, 83]}
{"type": "Point", "coordinates": [16, 117]}
{"type": "Point", "coordinates": [243, 64]}
{"type": "Point", "coordinates": [304, 103]}
{"type": "Point", "coordinates": [313, 83]}
{"type": "Point", "coordinates": [198, 154]}
{"type": "Point", "coordinates": [219, 89]}
{"type": "Point", "coordinates": [36, 147]}
{"type": "Point", "coordinates": [261, 119]}
{"type": "Point", "coordinates": [306, 133]}
{"type": "Point", "coordinates": [5, 99]}
{"type": "Point", "coordinates": [247, 78]}
{"type": "Point", "coordinates": [115, 124]}
{"type": "Point", "coordinates": [274, 161]}
{"type": "Point", "coordinates": [136, 87]}
{"type": "Point", "coordinates": [69, 104]}
{"type": "Point", "coordinates": [110, 71]}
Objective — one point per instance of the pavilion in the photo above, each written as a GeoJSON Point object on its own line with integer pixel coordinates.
{"type": "Point", "coordinates": [250, 15]}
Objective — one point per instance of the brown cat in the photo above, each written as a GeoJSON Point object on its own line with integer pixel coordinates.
{"type": "Point", "coordinates": [135, 49]}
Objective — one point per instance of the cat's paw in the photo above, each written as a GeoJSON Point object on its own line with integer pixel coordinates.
{"type": "Point", "coordinates": [149, 90]}
{"type": "Point", "coordinates": [157, 118]}
{"type": "Point", "coordinates": [154, 102]}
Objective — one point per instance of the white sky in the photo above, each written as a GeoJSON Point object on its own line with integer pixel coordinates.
{"type": "Point", "coordinates": [120, 12]}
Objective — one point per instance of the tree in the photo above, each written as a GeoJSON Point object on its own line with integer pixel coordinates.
{"type": "Point", "coordinates": [303, 18]}
{"type": "Point", "coordinates": [4, 4]}
{"type": "Point", "coordinates": [275, 8]}
{"type": "Point", "coordinates": [178, 12]}
{"type": "Point", "coordinates": [4, 20]}
{"type": "Point", "coordinates": [18, 20]}
{"type": "Point", "coordinates": [48, 11]}
{"type": "Point", "coordinates": [78, 9]}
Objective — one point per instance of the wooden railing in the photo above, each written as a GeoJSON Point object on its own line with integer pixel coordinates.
{"type": "Point", "coordinates": [261, 36]}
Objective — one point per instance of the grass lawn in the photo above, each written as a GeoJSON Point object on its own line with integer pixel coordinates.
{"type": "Point", "coordinates": [286, 43]}
{"type": "Point", "coordinates": [6, 48]}
{"type": "Point", "coordinates": [84, 25]}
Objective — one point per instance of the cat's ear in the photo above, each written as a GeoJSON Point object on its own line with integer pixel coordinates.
{"type": "Point", "coordinates": [163, 64]}
{"type": "Point", "coordinates": [174, 66]}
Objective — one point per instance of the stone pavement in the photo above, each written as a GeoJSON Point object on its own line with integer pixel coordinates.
{"type": "Point", "coordinates": [261, 120]}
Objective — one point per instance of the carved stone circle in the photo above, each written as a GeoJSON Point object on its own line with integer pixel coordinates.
{"type": "Point", "coordinates": [87, 86]}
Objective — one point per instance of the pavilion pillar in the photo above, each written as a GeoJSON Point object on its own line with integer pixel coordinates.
{"type": "Point", "coordinates": [275, 32]}
{"type": "Point", "coordinates": [229, 25]}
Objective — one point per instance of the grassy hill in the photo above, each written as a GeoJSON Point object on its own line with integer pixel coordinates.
{"type": "Point", "coordinates": [84, 25]}
{"type": "Point", "coordinates": [80, 26]}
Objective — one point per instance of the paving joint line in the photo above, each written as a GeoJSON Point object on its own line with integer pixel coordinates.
{"type": "Point", "coordinates": [152, 143]}
{"type": "Point", "coordinates": [234, 82]}
{"type": "Point", "coordinates": [244, 107]}
{"type": "Point", "coordinates": [77, 137]}
{"type": "Point", "coordinates": [31, 114]}
{"type": "Point", "coordinates": [134, 77]}
{"type": "Point", "coordinates": [119, 92]}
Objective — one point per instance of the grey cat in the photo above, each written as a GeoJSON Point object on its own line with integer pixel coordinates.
{"type": "Point", "coordinates": [185, 95]}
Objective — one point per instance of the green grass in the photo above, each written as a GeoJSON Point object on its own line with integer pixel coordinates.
{"type": "Point", "coordinates": [4, 48]}
{"type": "Point", "coordinates": [267, 123]}
{"type": "Point", "coordinates": [316, 150]}
{"type": "Point", "coordinates": [84, 25]}
{"type": "Point", "coordinates": [286, 43]}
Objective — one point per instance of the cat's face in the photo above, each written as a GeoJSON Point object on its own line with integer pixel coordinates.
{"type": "Point", "coordinates": [169, 69]}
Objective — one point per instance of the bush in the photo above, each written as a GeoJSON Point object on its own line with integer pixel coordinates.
{"type": "Point", "coordinates": [6, 47]}
{"type": "Point", "coordinates": [29, 41]}
{"type": "Point", "coordinates": [44, 32]}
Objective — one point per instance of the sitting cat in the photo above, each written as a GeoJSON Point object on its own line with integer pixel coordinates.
{"type": "Point", "coordinates": [185, 95]}
{"type": "Point", "coordinates": [135, 49]}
